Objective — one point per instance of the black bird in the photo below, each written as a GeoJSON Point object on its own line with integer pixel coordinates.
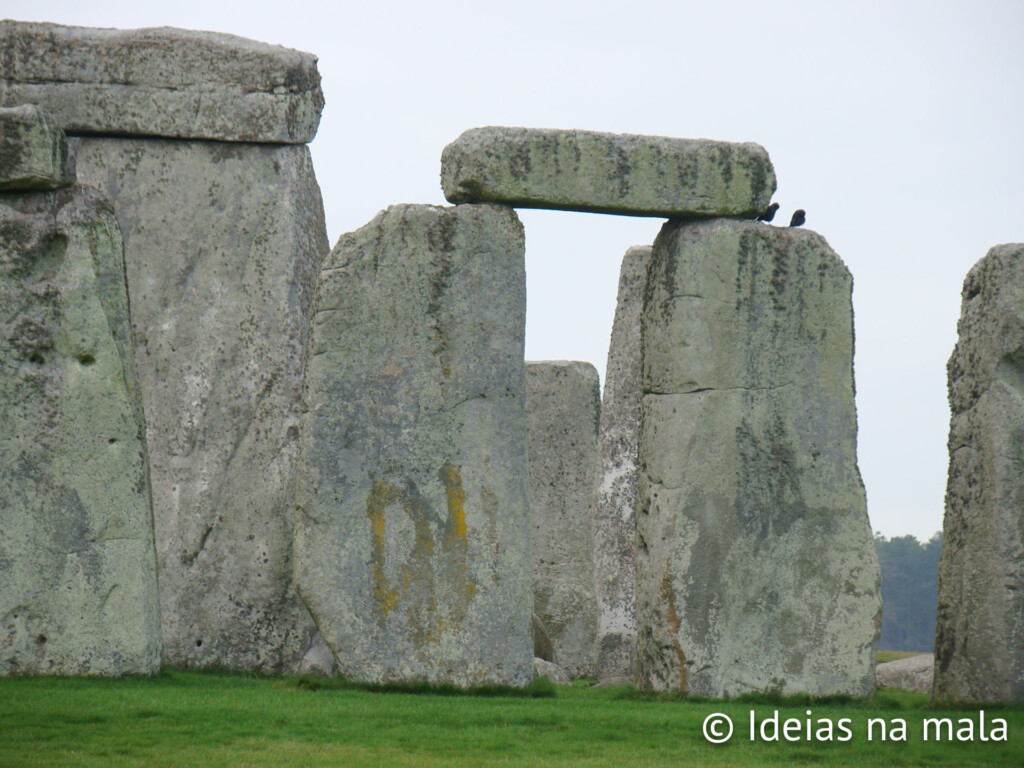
{"type": "Point", "coordinates": [799, 217]}
{"type": "Point", "coordinates": [769, 213]}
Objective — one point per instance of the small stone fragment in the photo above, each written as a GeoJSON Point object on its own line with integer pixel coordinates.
{"type": "Point", "coordinates": [163, 81]}
{"type": "Point", "coordinates": [562, 410]}
{"type": "Point", "coordinates": [33, 151]}
{"type": "Point", "coordinates": [913, 673]}
{"type": "Point", "coordinates": [78, 586]}
{"type": "Point", "coordinates": [553, 672]}
{"type": "Point", "coordinates": [318, 661]}
{"type": "Point", "coordinates": [412, 531]}
{"type": "Point", "coordinates": [756, 565]}
{"type": "Point", "coordinates": [616, 497]}
{"type": "Point", "coordinates": [607, 173]}
{"type": "Point", "coordinates": [979, 638]}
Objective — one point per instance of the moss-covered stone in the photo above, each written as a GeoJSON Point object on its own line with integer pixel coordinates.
{"type": "Point", "coordinates": [33, 151]}
{"type": "Point", "coordinates": [607, 173]}
{"type": "Point", "coordinates": [78, 588]}
{"type": "Point", "coordinates": [756, 567]}
{"type": "Point", "coordinates": [412, 533]}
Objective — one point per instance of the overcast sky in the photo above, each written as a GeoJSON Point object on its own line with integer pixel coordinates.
{"type": "Point", "coordinates": [898, 126]}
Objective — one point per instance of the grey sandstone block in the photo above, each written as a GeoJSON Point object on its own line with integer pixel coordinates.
{"type": "Point", "coordinates": [78, 586]}
{"type": "Point", "coordinates": [979, 639]}
{"type": "Point", "coordinates": [756, 566]}
{"type": "Point", "coordinates": [223, 243]}
{"type": "Point", "coordinates": [607, 173]}
{"type": "Point", "coordinates": [412, 540]}
{"type": "Point", "coordinates": [33, 151]}
{"type": "Point", "coordinates": [562, 410]}
{"type": "Point", "coordinates": [161, 82]}
{"type": "Point", "coordinates": [616, 497]}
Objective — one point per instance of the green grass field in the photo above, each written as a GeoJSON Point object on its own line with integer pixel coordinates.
{"type": "Point", "coordinates": [201, 719]}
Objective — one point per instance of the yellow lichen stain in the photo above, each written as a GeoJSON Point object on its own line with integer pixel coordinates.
{"type": "Point", "coordinates": [674, 624]}
{"type": "Point", "coordinates": [432, 586]}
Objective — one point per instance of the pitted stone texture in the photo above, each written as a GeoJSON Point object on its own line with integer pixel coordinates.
{"type": "Point", "coordinates": [979, 639]}
{"type": "Point", "coordinates": [163, 81]}
{"type": "Point", "coordinates": [223, 243]}
{"type": "Point", "coordinates": [913, 673]}
{"type": "Point", "coordinates": [562, 409]}
{"type": "Point", "coordinates": [78, 588]}
{"type": "Point", "coordinates": [756, 566]}
{"type": "Point", "coordinates": [33, 151]}
{"type": "Point", "coordinates": [607, 173]}
{"type": "Point", "coordinates": [412, 538]}
{"type": "Point", "coordinates": [616, 496]}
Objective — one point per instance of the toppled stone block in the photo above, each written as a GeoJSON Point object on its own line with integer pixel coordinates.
{"type": "Point", "coordinates": [979, 638]}
{"type": "Point", "coordinates": [550, 670]}
{"type": "Point", "coordinates": [756, 565]}
{"type": "Point", "coordinates": [913, 673]}
{"type": "Point", "coordinates": [33, 151]}
{"type": "Point", "coordinates": [616, 496]}
{"type": "Point", "coordinates": [412, 536]}
{"type": "Point", "coordinates": [223, 245]}
{"type": "Point", "coordinates": [78, 588]}
{"type": "Point", "coordinates": [562, 410]}
{"type": "Point", "coordinates": [607, 173]}
{"type": "Point", "coordinates": [165, 82]}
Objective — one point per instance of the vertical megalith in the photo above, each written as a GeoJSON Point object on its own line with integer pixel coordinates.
{"type": "Point", "coordinates": [562, 411]}
{"type": "Point", "coordinates": [197, 139]}
{"type": "Point", "coordinates": [979, 640]}
{"type": "Point", "coordinates": [78, 587]}
{"type": "Point", "coordinates": [412, 532]}
{"type": "Point", "coordinates": [616, 495]}
{"type": "Point", "coordinates": [756, 568]}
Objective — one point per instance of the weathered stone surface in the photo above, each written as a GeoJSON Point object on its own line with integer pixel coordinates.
{"type": "Point", "coordinates": [979, 639]}
{"type": "Point", "coordinates": [166, 82]}
{"type": "Point", "coordinates": [33, 151]}
{"type": "Point", "coordinates": [562, 409]}
{"type": "Point", "coordinates": [412, 534]}
{"type": "Point", "coordinates": [607, 172]}
{"type": "Point", "coordinates": [756, 567]}
{"type": "Point", "coordinates": [616, 497]}
{"type": "Point", "coordinates": [223, 243]}
{"type": "Point", "coordinates": [550, 670]}
{"type": "Point", "coordinates": [78, 590]}
{"type": "Point", "coordinates": [913, 673]}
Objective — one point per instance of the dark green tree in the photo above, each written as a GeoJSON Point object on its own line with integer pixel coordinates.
{"type": "Point", "coordinates": [909, 591]}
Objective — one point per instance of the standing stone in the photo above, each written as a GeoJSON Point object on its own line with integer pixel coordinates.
{"type": "Point", "coordinates": [78, 587]}
{"type": "Point", "coordinates": [756, 567]}
{"type": "Point", "coordinates": [616, 497]}
{"type": "Point", "coordinates": [33, 151]}
{"type": "Point", "coordinates": [412, 535]}
{"type": "Point", "coordinates": [607, 173]}
{"type": "Point", "coordinates": [562, 409]}
{"type": "Point", "coordinates": [161, 82]}
{"type": "Point", "coordinates": [979, 639]}
{"type": "Point", "coordinates": [223, 245]}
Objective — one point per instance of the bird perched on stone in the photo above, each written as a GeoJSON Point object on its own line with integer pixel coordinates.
{"type": "Point", "coordinates": [769, 212]}
{"type": "Point", "coordinates": [799, 217]}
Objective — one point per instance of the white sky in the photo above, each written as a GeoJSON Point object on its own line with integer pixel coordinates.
{"type": "Point", "coordinates": [897, 125]}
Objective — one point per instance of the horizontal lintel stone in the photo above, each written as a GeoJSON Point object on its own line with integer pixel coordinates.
{"type": "Point", "coordinates": [162, 81]}
{"type": "Point", "coordinates": [607, 173]}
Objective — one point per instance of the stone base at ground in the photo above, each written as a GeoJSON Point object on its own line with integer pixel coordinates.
{"type": "Point", "coordinates": [412, 542]}
{"type": "Point", "coordinates": [78, 587]}
{"type": "Point", "coordinates": [562, 410]}
{"type": "Point", "coordinates": [223, 245]}
{"type": "Point", "coordinates": [756, 566]}
{"type": "Point", "coordinates": [913, 673]}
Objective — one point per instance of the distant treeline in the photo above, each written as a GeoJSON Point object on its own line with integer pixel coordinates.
{"type": "Point", "coordinates": [910, 572]}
